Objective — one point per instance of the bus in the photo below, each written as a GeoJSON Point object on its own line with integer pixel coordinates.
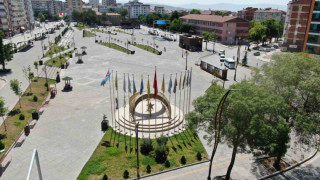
{"type": "Point", "coordinates": [230, 63]}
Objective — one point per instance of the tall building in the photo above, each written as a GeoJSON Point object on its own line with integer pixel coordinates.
{"type": "Point", "coordinates": [94, 3]}
{"type": "Point", "coordinates": [29, 13]}
{"type": "Point", "coordinates": [5, 23]}
{"type": "Point", "coordinates": [302, 27]}
{"type": "Point", "coordinates": [228, 28]}
{"type": "Point", "coordinates": [247, 14]}
{"type": "Point", "coordinates": [74, 5]}
{"type": "Point", "coordinates": [263, 14]}
{"type": "Point", "coordinates": [53, 7]}
{"type": "Point", "coordinates": [109, 2]}
{"type": "Point", "coordinates": [159, 9]}
{"type": "Point", "coordinates": [18, 15]}
{"type": "Point", "coordinates": [136, 8]}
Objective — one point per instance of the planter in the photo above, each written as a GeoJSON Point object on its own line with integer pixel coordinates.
{"type": "Point", "coordinates": [40, 62]}
{"type": "Point", "coordinates": [35, 115]}
{"type": "Point", "coordinates": [132, 52]}
{"type": "Point", "coordinates": [27, 130]}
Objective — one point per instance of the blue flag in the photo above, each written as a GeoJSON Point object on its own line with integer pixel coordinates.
{"type": "Point", "coordinates": [134, 86]}
{"type": "Point", "coordinates": [175, 86]}
{"type": "Point", "coordinates": [170, 85]}
{"type": "Point", "coordinates": [129, 84]}
{"type": "Point", "coordinates": [105, 79]}
{"type": "Point", "coordinates": [141, 86]}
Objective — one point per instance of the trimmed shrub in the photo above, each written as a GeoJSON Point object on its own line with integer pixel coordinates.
{"type": "Point", "coordinates": [199, 156]}
{"type": "Point", "coordinates": [35, 98]}
{"type": "Point", "coordinates": [167, 164]}
{"type": "Point", "coordinates": [162, 140]}
{"type": "Point", "coordinates": [183, 160]}
{"type": "Point", "coordinates": [126, 174]}
{"type": "Point", "coordinates": [146, 146]}
{"type": "Point", "coordinates": [161, 153]}
{"type": "Point", "coordinates": [1, 145]}
{"type": "Point", "coordinates": [21, 117]}
{"type": "Point", "coordinates": [105, 177]}
{"type": "Point", "coordinates": [148, 169]}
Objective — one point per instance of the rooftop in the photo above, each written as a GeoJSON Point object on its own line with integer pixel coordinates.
{"type": "Point", "coordinates": [212, 18]}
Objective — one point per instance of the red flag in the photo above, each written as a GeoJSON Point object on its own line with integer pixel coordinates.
{"type": "Point", "coordinates": [187, 78]}
{"type": "Point", "coordinates": [155, 85]}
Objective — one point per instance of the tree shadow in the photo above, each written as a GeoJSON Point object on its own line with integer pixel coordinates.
{"type": "Point", "coordinates": [106, 144]}
{"type": "Point", "coordinates": [3, 136]}
{"type": "Point", "coordinates": [5, 72]}
{"type": "Point", "coordinates": [307, 172]}
{"type": "Point", "coordinates": [14, 112]}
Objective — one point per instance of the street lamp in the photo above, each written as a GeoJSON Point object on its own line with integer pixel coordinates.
{"type": "Point", "coordinates": [186, 53]}
{"type": "Point", "coordinates": [238, 57]}
{"type": "Point", "coordinates": [137, 150]}
{"type": "Point", "coordinates": [217, 122]}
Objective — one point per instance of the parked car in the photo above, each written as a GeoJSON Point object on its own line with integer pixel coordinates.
{"type": "Point", "coordinates": [256, 48]}
{"type": "Point", "coordinates": [256, 53]}
{"type": "Point", "coordinates": [222, 52]}
{"type": "Point", "coordinates": [276, 46]}
{"type": "Point", "coordinates": [262, 49]}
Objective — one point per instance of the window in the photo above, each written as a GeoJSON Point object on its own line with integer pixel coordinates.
{"type": "Point", "coordinates": [313, 39]}
{"type": "Point", "coordinates": [316, 17]}
{"type": "Point", "coordinates": [311, 49]}
{"type": "Point", "coordinates": [317, 6]}
{"type": "Point", "coordinates": [315, 28]}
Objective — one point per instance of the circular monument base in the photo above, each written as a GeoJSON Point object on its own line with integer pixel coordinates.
{"type": "Point", "coordinates": [152, 123]}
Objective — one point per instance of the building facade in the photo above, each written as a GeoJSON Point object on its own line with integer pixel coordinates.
{"type": "Point", "coordinates": [74, 5]}
{"type": "Point", "coordinates": [302, 27]}
{"type": "Point", "coordinates": [247, 14]}
{"type": "Point", "coordinates": [109, 2]}
{"type": "Point", "coordinates": [18, 15]}
{"type": "Point", "coordinates": [94, 3]}
{"type": "Point", "coordinates": [159, 9]}
{"type": "Point", "coordinates": [136, 8]}
{"type": "Point", "coordinates": [29, 13]}
{"type": "Point", "coordinates": [263, 14]}
{"type": "Point", "coordinates": [53, 7]}
{"type": "Point", "coordinates": [228, 28]}
{"type": "Point", "coordinates": [5, 23]}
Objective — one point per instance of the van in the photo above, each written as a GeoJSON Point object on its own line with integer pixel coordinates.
{"type": "Point", "coordinates": [222, 52]}
{"type": "Point", "coordinates": [230, 63]}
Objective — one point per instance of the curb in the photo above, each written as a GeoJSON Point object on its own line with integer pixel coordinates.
{"type": "Point", "coordinates": [169, 170]}
{"type": "Point", "coordinates": [290, 167]}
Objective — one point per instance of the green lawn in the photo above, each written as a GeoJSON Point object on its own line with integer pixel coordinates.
{"type": "Point", "coordinates": [112, 160]}
{"type": "Point", "coordinates": [81, 26]}
{"type": "Point", "coordinates": [116, 47]}
{"type": "Point", "coordinates": [117, 30]}
{"type": "Point", "coordinates": [54, 49]}
{"type": "Point", "coordinates": [13, 123]}
{"type": "Point", "coordinates": [57, 61]}
{"type": "Point", "coordinates": [89, 34]}
{"type": "Point", "coordinates": [147, 48]}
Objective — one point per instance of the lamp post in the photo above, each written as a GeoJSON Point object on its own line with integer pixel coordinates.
{"type": "Point", "coordinates": [238, 57]}
{"type": "Point", "coordinates": [137, 150]}
{"type": "Point", "coordinates": [217, 123]}
{"type": "Point", "coordinates": [186, 59]}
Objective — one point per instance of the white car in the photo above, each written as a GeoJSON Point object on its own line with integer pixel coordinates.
{"type": "Point", "coordinates": [222, 52]}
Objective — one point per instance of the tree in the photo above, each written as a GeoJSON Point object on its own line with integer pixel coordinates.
{"type": "Point", "coordinates": [146, 146]}
{"type": "Point", "coordinates": [2, 53]}
{"type": "Point", "coordinates": [126, 174]}
{"type": "Point", "coordinates": [7, 49]}
{"type": "Point", "coordinates": [258, 32]}
{"type": "Point", "coordinates": [174, 15]}
{"type": "Point", "coordinates": [245, 59]}
{"type": "Point", "coordinates": [3, 111]}
{"type": "Point", "coordinates": [206, 37]}
{"type": "Point", "coordinates": [42, 17]}
{"type": "Point", "coordinates": [241, 110]}
{"type": "Point", "coordinates": [195, 11]}
{"type": "Point", "coordinates": [105, 177]}
{"type": "Point", "coordinates": [123, 12]}
{"type": "Point", "coordinates": [214, 38]}
{"type": "Point", "coordinates": [175, 25]}
{"type": "Point", "coordinates": [28, 74]}
{"type": "Point", "coordinates": [15, 86]}
{"type": "Point", "coordinates": [142, 18]}
{"type": "Point", "coordinates": [272, 28]}
{"type": "Point", "coordinates": [296, 78]}
{"type": "Point", "coordinates": [36, 66]}
{"type": "Point", "coordinates": [187, 28]}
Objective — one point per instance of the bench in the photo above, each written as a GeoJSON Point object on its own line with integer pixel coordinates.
{"type": "Point", "coordinates": [32, 124]}
{"type": "Point", "coordinates": [5, 163]}
{"type": "Point", "coordinates": [20, 140]}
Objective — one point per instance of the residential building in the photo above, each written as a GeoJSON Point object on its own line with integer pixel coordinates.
{"type": "Point", "coordinates": [74, 5]}
{"type": "Point", "coordinates": [136, 8]}
{"type": "Point", "coordinates": [114, 19]}
{"type": "Point", "coordinates": [247, 14]}
{"type": "Point", "coordinates": [94, 3]}
{"type": "Point", "coordinates": [263, 14]}
{"type": "Point", "coordinates": [103, 9]}
{"type": "Point", "coordinates": [159, 9]}
{"type": "Point", "coordinates": [228, 28]}
{"type": "Point", "coordinates": [53, 7]}
{"type": "Point", "coordinates": [5, 23]}
{"type": "Point", "coordinates": [109, 2]}
{"type": "Point", "coordinates": [302, 27]}
{"type": "Point", "coordinates": [29, 13]}
{"type": "Point", "coordinates": [18, 15]}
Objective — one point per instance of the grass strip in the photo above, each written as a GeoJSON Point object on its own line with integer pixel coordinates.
{"type": "Point", "coordinates": [58, 61]}
{"type": "Point", "coordinates": [147, 48]}
{"type": "Point", "coordinates": [116, 47]}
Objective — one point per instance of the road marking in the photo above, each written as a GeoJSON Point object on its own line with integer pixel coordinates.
{"type": "Point", "coordinates": [206, 168]}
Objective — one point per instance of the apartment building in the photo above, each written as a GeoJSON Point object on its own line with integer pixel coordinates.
{"type": "Point", "coordinates": [5, 23]}
{"type": "Point", "coordinates": [247, 14]}
{"type": "Point", "coordinates": [18, 15]}
{"type": "Point", "coordinates": [302, 27]}
{"type": "Point", "coordinates": [159, 9]}
{"type": "Point", "coordinates": [74, 5]}
{"type": "Point", "coordinates": [109, 2]}
{"type": "Point", "coordinates": [29, 12]}
{"type": "Point", "coordinates": [94, 3]}
{"type": "Point", "coordinates": [263, 14]}
{"type": "Point", "coordinates": [53, 7]}
{"type": "Point", "coordinates": [228, 28]}
{"type": "Point", "coordinates": [136, 8]}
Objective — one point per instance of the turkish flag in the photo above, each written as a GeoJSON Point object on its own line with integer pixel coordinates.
{"type": "Point", "coordinates": [60, 13]}
{"type": "Point", "coordinates": [155, 85]}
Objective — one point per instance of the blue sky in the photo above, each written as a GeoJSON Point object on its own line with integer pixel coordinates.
{"type": "Point", "coordinates": [179, 2]}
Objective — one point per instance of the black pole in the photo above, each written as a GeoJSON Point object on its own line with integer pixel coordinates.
{"type": "Point", "coordinates": [186, 60]}
{"type": "Point", "coordinates": [238, 56]}
{"type": "Point", "coordinates": [137, 150]}
{"type": "Point", "coordinates": [217, 131]}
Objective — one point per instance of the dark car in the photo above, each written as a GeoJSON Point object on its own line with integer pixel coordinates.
{"type": "Point", "coordinates": [256, 53]}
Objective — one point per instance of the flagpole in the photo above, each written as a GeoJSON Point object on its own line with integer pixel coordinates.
{"type": "Point", "coordinates": [129, 106]}
{"type": "Point", "coordinates": [175, 105]}
{"type": "Point", "coordinates": [148, 101]}
{"type": "Point", "coordinates": [169, 118]}
{"type": "Point", "coordinates": [184, 98]}
{"type": "Point", "coordinates": [111, 101]}
{"type": "Point", "coordinates": [155, 104]}
{"type": "Point", "coordinates": [118, 101]}
{"type": "Point", "coordinates": [114, 109]}
{"type": "Point", "coordinates": [124, 104]}
{"type": "Point", "coordinates": [187, 101]}
{"type": "Point", "coordinates": [141, 105]}
{"type": "Point", "coordinates": [162, 103]}
{"type": "Point", "coordinates": [190, 89]}
{"type": "Point", "coordinates": [180, 96]}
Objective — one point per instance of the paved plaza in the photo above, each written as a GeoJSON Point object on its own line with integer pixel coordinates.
{"type": "Point", "coordinates": [69, 130]}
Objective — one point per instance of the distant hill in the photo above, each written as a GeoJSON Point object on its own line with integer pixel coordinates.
{"type": "Point", "coordinates": [167, 7]}
{"type": "Point", "coordinates": [230, 6]}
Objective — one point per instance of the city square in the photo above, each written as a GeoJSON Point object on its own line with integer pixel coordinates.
{"type": "Point", "coordinates": [128, 101]}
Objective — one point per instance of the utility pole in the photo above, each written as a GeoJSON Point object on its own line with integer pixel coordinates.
{"type": "Point", "coordinates": [238, 57]}
{"type": "Point", "coordinates": [186, 60]}
{"type": "Point", "coordinates": [137, 150]}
